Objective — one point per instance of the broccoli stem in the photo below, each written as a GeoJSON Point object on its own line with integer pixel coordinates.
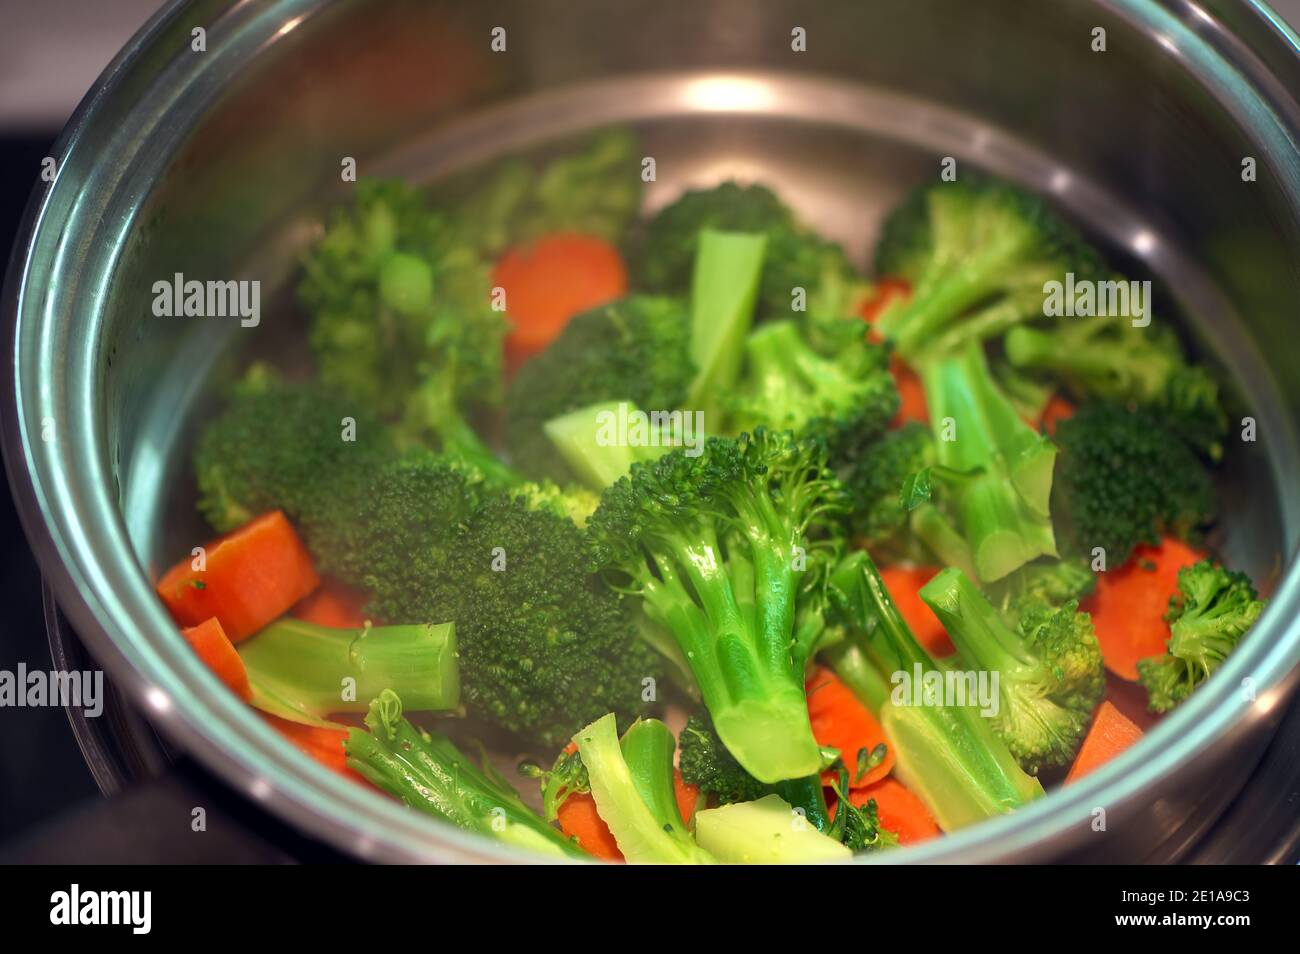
{"type": "Point", "coordinates": [425, 771]}
{"type": "Point", "coordinates": [978, 631]}
{"type": "Point", "coordinates": [724, 287]}
{"type": "Point", "coordinates": [949, 755]}
{"type": "Point", "coordinates": [304, 672]}
{"type": "Point", "coordinates": [740, 655]}
{"type": "Point", "coordinates": [1002, 496]}
{"type": "Point", "coordinates": [599, 458]}
{"type": "Point", "coordinates": [432, 410]}
{"type": "Point", "coordinates": [632, 783]}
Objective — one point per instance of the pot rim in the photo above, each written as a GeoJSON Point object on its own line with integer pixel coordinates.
{"type": "Point", "coordinates": [100, 586]}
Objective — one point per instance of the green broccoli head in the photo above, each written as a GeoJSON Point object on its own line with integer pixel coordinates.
{"type": "Point", "coordinates": [1207, 617]}
{"type": "Point", "coordinates": [276, 445]}
{"type": "Point", "coordinates": [796, 257]}
{"type": "Point", "coordinates": [1125, 479]}
{"type": "Point", "coordinates": [574, 502]}
{"type": "Point", "coordinates": [400, 317]}
{"type": "Point", "coordinates": [846, 397]}
{"type": "Point", "coordinates": [876, 474]}
{"type": "Point", "coordinates": [718, 545]}
{"type": "Point", "coordinates": [636, 349]}
{"type": "Point", "coordinates": [705, 762]}
{"type": "Point", "coordinates": [977, 254]}
{"type": "Point", "coordinates": [1049, 667]}
{"type": "Point", "coordinates": [1051, 583]}
{"type": "Point", "coordinates": [545, 647]}
{"type": "Point", "coordinates": [1111, 360]}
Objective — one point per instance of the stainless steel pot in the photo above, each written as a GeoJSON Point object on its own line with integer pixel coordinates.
{"type": "Point", "coordinates": [217, 164]}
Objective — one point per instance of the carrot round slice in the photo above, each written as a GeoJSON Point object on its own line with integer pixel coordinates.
{"type": "Point", "coordinates": [548, 281]}
{"type": "Point", "coordinates": [1130, 603]}
{"type": "Point", "coordinates": [899, 810]}
{"type": "Point", "coordinates": [1112, 732]}
{"type": "Point", "coordinates": [246, 579]}
{"type": "Point", "coordinates": [841, 721]}
{"type": "Point", "coordinates": [211, 644]}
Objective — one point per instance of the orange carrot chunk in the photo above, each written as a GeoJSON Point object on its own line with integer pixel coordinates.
{"type": "Point", "coordinates": [246, 579]}
{"type": "Point", "coordinates": [911, 394]}
{"type": "Point", "coordinates": [321, 743]}
{"type": "Point", "coordinates": [1056, 410]}
{"type": "Point", "coordinates": [1112, 732]}
{"type": "Point", "coordinates": [579, 819]}
{"type": "Point", "coordinates": [211, 644]}
{"type": "Point", "coordinates": [841, 721]}
{"type": "Point", "coordinates": [1129, 605]}
{"type": "Point", "coordinates": [335, 605]}
{"type": "Point", "coordinates": [904, 585]}
{"type": "Point", "coordinates": [899, 810]}
{"type": "Point", "coordinates": [548, 281]}
{"type": "Point", "coordinates": [887, 289]}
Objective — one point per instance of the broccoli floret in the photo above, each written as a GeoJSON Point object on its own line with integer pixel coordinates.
{"type": "Point", "coordinates": [977, 254]}
{"type": "Point", "coordinates": [1124, 480]}
{"type": "Point", "coordinates": [632, 783]}
{"type": "Point", "coordinates": [636, 349]}
{"type": "Point", "coordinates": [401, 321]}
{"type": "Point", "coordinates": [876, 476]}
{"type": "Point", "coordinates": [796, 258]}
{"type": "Point", "coordinates": [1212, 610]}
{"type": "Point", "coordinates": [544, 646]}
{"type": "Point", "coordinates": [993, 473]}
{"type": "Point", "coordinates": [426, 772]}
{"type": "Point", "coordinates": [572, 501]}
{"type": "Point", "coordinates": [1050, 675]}
{"type": "Point", "coordinates": [1111, 360]}
{"type": "Point", "coordinates": [714, 544]}
{"type": "Point", "coordinates": [845, 398]}
{"type": "Point", "coordinates": [285, 446]}
{"type": "Point", "coordinates": [862, 832]}
{"type": "Point", "coordinates": [566, 776]}
{"type": "Point", "coordinates": [705, 762]}
{"type": "Point", "coordinates": [299, 671]}
{"type": "Point", "coordinates": [593, 188]}
{"type": "Point", "coordinates": [1050, 583]}
{"type": "Point", "coordinates": [948, 754]}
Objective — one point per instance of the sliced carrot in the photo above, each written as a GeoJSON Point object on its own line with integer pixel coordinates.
{"type": "Point", "coordinates": [1112, 732]}
{"type": "Point", "coordinates": [321, 743]}
{"type": "Point", "coordinates": [904, 585]}
{"type": "Point", "coordinates": [1056, 410]}
{"type": "Point", "coordinates": [899, 810]}
{"type": "Point", "coordinates": [211, 644]}
{"type": "Point", "coordinates": [335, 605]}
{"type": "Point", "coordinates": [245, 579]}
{"type": "Point", "coordinates": [887, 289]}
{"type": "Point", "coordinates": [911, 394]}
{"type": "Point", "coordinates": [579, 819]}
{"type": "Point", "coordinates": [841, 721]}
{"type": "Point", "coordinates": [548, 281]}
{"type": "Point", "coordinates": [1129, 605]}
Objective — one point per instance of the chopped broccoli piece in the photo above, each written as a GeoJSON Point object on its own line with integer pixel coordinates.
{"type": "Point", "coordinates": [566, 776]}
{"type": "Point", "coordinates": [1125, 480]}
{"type": "Point", "coordinates": [845, 399]}
{"type": "Point", "coordinates": [300, 671]}
{"type": "Point", "coordinates": [401, 321]}
{"type": "Point", "coordinates": [426, 772]}
{"type": "Point", "coordinates": [706, 763]}
{"type": "Point", "coordinates": [1111, 360]}
{"type": "Point", "coordinates": [1050, 675]}
{"type": "Point", "coordinates": [949, 755]}
{"type": "Point", "coordinates": [977, 255]}
{"type": "Point", "coordinates": [1051, 583]}
{"type": "Point", "coordinates": [594, 188]}
{"type": "Point", "coordinates": [636, 349]}
{"type": "Point", "coordinates": [994, 473]}
{"type": "Point", "coordinates": [876, 476]}
{"type": "Point", "coordinates": [632, 783]}
{"type": "Point", "coordinates": [796, 257]}
{"type": "Point", "coordinates": [1212, 610]}
{"type": "Point", "coordinates": [711, 543]}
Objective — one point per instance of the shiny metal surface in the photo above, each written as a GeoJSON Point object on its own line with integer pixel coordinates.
{"type": "Point", "coordinates": [217, 164]}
